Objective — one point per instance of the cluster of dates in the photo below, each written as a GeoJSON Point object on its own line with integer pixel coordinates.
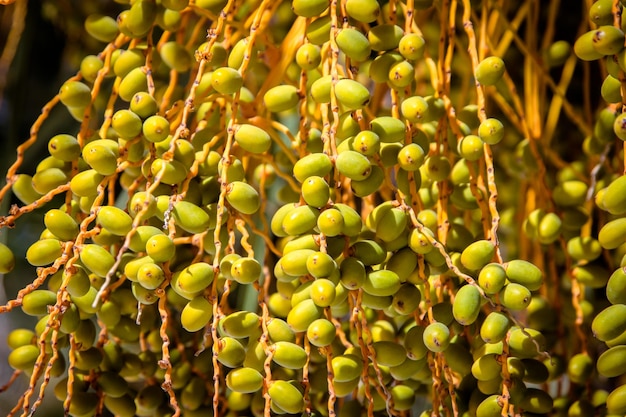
{"type": "Point", "coordinates": [283, 217]}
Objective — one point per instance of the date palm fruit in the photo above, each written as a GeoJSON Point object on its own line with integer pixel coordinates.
{"type": "Point", "coordinates": [477, 255]}
{"type": "Point", "coordinates": [150, 276]}
{"type": "Point", "coordinates": [308, 56]}
{"type": "Point", "coordinates": [495, 327]}
{"type": "Point", "coordinates": [411, 46]}
{"type": "Point", "coordinates": [323, 292]}
{"type": "Point", "coordinates": [616, 401]}
{"type": "Point", "coordinates": [363, 10]}
{"type": "Point", "coordinates": [300, 220]}
{"type": "Point", "coordinates": [615, 287]}
{"type": "Point", "coordinates": [281, 98]}
{"type": "Point", "coordinates": [315, 191]}
{"type": "Point", "coordinates": [611, 363]}
{"type": "Point", "coordinates": [303, 314]}
{"type": "Point", "coordinates": [466, 306]}
{"type": "Point", "coordinates": [612, 199]}
{"type": "Point", "coordinates": [492, 278]}
{"type": "Point", "coordinates": [245, 270]}
{"type": "Point", "coordinates": [524, 273]}
{"type": "Point", "coordinates": [389, 353]}
{"type": "Point", "coordinates": [75, 94]}
{"type": "Point", "coordinates": [24, 188]}
{"type": "Point", "coordinates": [515, 296]}
{"type": "Point", "coordinates": [230, 352]}
{"type": "Point", "coordinates": [243, 197]}
{"type": "Point", "coordinates": [401, 74]}
{"type": "Point", "coordinates": [286, 397]}
{"type": "Point", "coordinates": [307, 8]}
{"type": "Point", "coordinates": [487, 367]}
{"type": "Point", "coordinates": [436, 337]}
{"type": "Point", "coordinates": [346, 367]}
{"type": "Point", "coordinates": [101, 27]}
{"type": "Point", "coordinates": [381, 283]}
{"type": "Point", "coordinates": [490, 70]}
{"type": "Point", "coordinates": [351, 94]}
{"type": "Point", "coordinates": [608, 40]}
{"type": "Point", "coordinates": [155, 128]}
{"type": "Point", "coordinates": [196, 314]}
{"type": "Point", "coordinates": [240, 324]}
{"type": "Point", "coordinates": [489, 407]}
{"type": "Point", "coordinates": [289, 355]}
{"type": "Point", "coordinates": [175, 56]}
{"type": "Point", "coordinates": [115, 220]}
{"type": "Point", "coordinates": [385, 37]}
{"type": "Point", "coordinates": [321, 332]}
{"type": "Point", "coordinates": [252, 138]}
{"type": "Point", "coordinates": [44, 252]}
{"type": "Point", "coordinates": [244, 380]}
{"type": "Point", "coordinates": [354, 44]}
{"type": "Point", "coordinates": [61, 224]}
{"type": "Point", "coordinates": [97, 259]}
{"type": "Point", "coordinates": [610, 236]}
{"type": "Point", "coordinates": [7, 259]}
{"type": "Point", "coordinates": [101, 155]}
{"type": "Point", "coordinates": [133, 82]}
{"type": "Point", "coordinates": [609, 323]}
{"type": "Point", "coordinates": [313, 164]}
{"type": "Point", "coordinates": [36, 302]}
{"type": "Point", "coordinates": [226, 80]}
{"type": "Point", "coordinates": [415, 109]}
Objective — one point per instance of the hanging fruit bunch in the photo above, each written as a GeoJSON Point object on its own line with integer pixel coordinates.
{"type": "Point", "coordinates": [340, 208]}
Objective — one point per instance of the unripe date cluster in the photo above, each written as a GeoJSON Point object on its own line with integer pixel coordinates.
{"type": "Point", "coordinates": [322, 208]}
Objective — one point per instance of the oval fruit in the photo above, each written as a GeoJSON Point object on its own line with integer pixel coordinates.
{"type": "Point", "coordinates": [478, 254]}
{"type": "Point", "coordinates": [281, 98]}
{"type": "Point", "coordinates": [252, 138]}
{"type": "Point", "coordinates": [492, 278]}
{"type": "Point", "coordinates": [436, 337]}
{"type": "Point", "coordinates": [612, 234]}
{"type": "Point", "coordinates": [97, 259]}
{"type": "Point", "coordinates": [354, 44]}
{"type": "Point", "coordinates": [196, 314]}
{"type": "Point", "coordinates": [243, 197]}
{"type": "Point", "coordinates": [346, 367]}
{"type": "Point", "coordinates": [515, 296]}
{"type": "Point", "coordinates": [289, 355]}
{"type": "Point", "coordinates": [24, 357]}
{"type": "Point", "coordinates": [365, 11]}
{"type": "Point", "coordinates": [466, 306]}
{"type": "Point", "coordinates": [490, 70]}
{"type": "Point", "coordinates": [190, 217]}
{"type": "Point", "coordinates": [351, 94]}
{"type": "Point", "coordinates": [286, 396]}
{"type": "Point", "coordinates": [382, 283]}
{"type": "Point", "coordinates": [321, 332]}
{"type": "Point", "coordinates": [610, 322]}
{"type": "Point", "coordinates": [303, 314]}
{"type": "Point", "coordinates": [240, 324]}
{"type": "Point", "coordinates": [44, 252]}
{"type": "Point", "coordinates": [244, 380]}
{"type": "Point", "coordinates": [612, 363]}
{"type": "Point", "coordinates": [616, 401]}
{"type": "Point", "coordinates": [495, 327]}
{"type": "Point", "coordinates": [36, 302]}
{"type": "Point", "coordinates": [524, 273]}
{"type": "Point", "coordinates": [115, 220]}
{"type": "Point", "coordinates": [313, 164]}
